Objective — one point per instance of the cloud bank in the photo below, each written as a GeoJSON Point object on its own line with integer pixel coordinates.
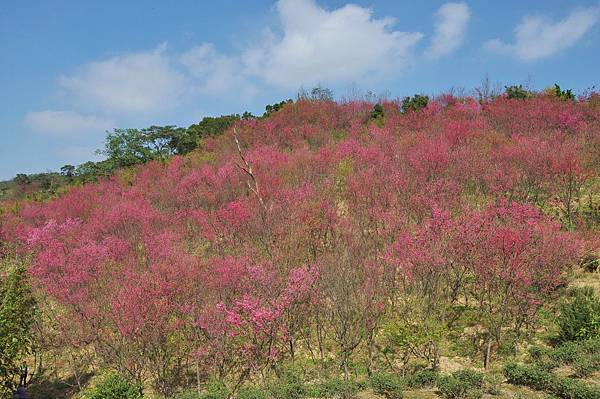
{"type": "Point", "coordinates": [538, 37]}
{"type": "Point", "coordinates": [341, 45]}
{"type": "Point", "coordinates": [140, 82]}
{"type": "Point", "coordinates": [451, 24]}
{"type": "Point", "coordinates": [310, 45]}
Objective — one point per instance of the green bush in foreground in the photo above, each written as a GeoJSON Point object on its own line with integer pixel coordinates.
{"type": "Point", "coordinates": [537, 378]}
{"type": "Point", "coordinates": [462, 384]}
{"type": "Point", "coordinates": [251, 392]}
{"type": "Point", "coordinates": [290, 386]}
{"type": "Point", "coordinates": [388, 385]}
{"type": "Point", "coordinates": [335, 388]}
{"type": "Point", "coordinates": [580, 316]}
{"type": "Point", "coordinates": [422, 379]}
{"type": "Point", "coordinates": [114, 386]}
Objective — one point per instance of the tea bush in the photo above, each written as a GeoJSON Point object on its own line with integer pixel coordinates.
{"type": "Point", "coordinates": [115, 386]}
{"type": "Point", "coordinates": [389, 385]}
{"type": "Point", "coordinates": [336, 388]}
{"type": "Point", "coordinates": [537, 378]}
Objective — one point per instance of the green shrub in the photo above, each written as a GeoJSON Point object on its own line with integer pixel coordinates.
{"type": "Point", "coordinates": [189, 395]}
{"type": "Point", "coordinates": [213, 390]}
{"type": "Point", "coordinates": [492, 384]}
{"type": "Point", "coordinates": [579, 317]}
{"type": "Point", "coordinates": [378, 113]}
{"type": "Point", "coordinates": [451, 387]}
{"type": "Point", "coordinates": [585, 366]}
{"type": "Point", "coordinates": [517, 92]}
{"type": "Point", "coordinates": [539, 379]}
{"type": "Point", "coordinates": [290, 386]}
{"type": "Point", "coordinates": [114, 386]}
{"type": "Point", "coordinates": [591, 346]}
{"type": "Point", "coordinates": [414, 103]}
{"type": "Point", "coordinates": [530, 375]}
{"type": "Point", "coordinates": [422, 379]}
{"type": "Point", "coordinates": [388, 385]}
{"type": "Point", "coordinates": [537, 353]}
{"type": "Point", "coordinates": [472, 378]}
{"type": "Point", "coordinates": [251, 392]}
{"type": "Point", "coordinates": [336, 388]}
{"type": "Point", "coordinates": [590, 262]}
{"type": "Point", "coordinates": [565, 95]}
{"type": "Point", "coordinates": [565, 353]}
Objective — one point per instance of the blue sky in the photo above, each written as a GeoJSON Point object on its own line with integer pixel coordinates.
{"type": "Point", "coordinates": [70, 70]}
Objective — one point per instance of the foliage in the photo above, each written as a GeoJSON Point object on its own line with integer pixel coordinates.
{"type": "Point", "coordinates": [207, 127]}
{"type": "Point", "coordinates": [537, 378]}
{"type": "Point", "coordinates": [422, 379]}
{"type": "Point", "coordinates": [378, 113]}
{"type": "Point", "coordinates": [389, 385]}
{"type": "Point", "coordinates": [450, 387]}
{"type": "Point", "coordinates": [472, 378]}
{"type": "Point", "coordinates": [317, 93]}
{"type": "Point", "coordinates": [590, 262]}
{"type": "Point", "coordinates": [114, 386]}
{"type": "Point", "coordinates": [582, 356]}
{"type": "Point", "coordinates": [579, 317]}
{"type": "Point", "coordinates": [564, 95]}
{"type": "Point", "coordinates": [252, 392]}
{"type": "Point", "coordinates": [290, 386]}
{"type": "Point", "coordinates": [517, 92]}
{"type": "Point", "coordinates": [414, 103]}
{"type": "Point", "coordinates": [272, 108]}
{"type": "Point", "coordinates": [17, 314]}
{"type": "Point", "coordinates": [336, 388]}
{"type": "Point", "coordinates": [462, 384]}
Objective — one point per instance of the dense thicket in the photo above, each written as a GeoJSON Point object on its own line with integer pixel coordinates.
{"type": "Point", "coordinates": [321, 235]}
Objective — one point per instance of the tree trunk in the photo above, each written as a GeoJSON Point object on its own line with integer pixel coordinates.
{"type": "Point", "coordinates": [198, 376]}
{"type": "Point", "coordinates": [488, 350]}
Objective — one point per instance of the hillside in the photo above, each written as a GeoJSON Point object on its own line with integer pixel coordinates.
{"type": "Point", "coordinates": [324, 248]}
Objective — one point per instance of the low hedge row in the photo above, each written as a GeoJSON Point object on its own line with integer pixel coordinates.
{"type": "Point", "coordinates": [538, 378]}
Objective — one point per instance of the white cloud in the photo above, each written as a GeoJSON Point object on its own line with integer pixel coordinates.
{"type": "Point", "coordinates": [65, 123]}
{"type": "Point", "coordinates": [139, 83]}
{"type": "Point", "coordinates": [317, 45]}
{"type": "Point", "coordinates": [538, 37]}
{"type": "Point", "coordinates": [451, 24]}
{"type": "Point", "coordinates": [216, 73]}
{"type": "Point", "coordinates": [314, 45]}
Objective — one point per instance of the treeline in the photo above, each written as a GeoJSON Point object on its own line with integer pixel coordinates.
{"type": "Point", "coordinates": [128, 147]}
{"type": "Point", "coordinates": [125, 147]}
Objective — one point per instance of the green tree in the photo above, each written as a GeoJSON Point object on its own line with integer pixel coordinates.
{"type": "Point", "coordinates": [126, 147]}
{"type": "Point", "coordinates": [22, 179]}
{"type": "Point", "coordinates": [317, 93]}
{"type": "Point", "coordinates": [414, 103]}
{"type": "Point", "coordinates": [68, 171]}
{"type": "Point", "coordinates": [17, 313]}
{"type": "Point", "coordinates": [564, 95]}
{"type": "Point", "coordinates": [517, 92]}
{"type": "Point", "coordinates": [163, 141]}
{"type": "Point", "coordinates": [272, 108]}
{"type": "Point", "coordinates": [207, 127]}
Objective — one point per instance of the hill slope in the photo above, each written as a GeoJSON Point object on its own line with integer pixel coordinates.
{"type": "Point", "coordinates": [327, 234]}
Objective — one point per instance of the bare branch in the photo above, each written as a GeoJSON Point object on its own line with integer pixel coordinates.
{"type": "Point", "coordinates": [247, 168]}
